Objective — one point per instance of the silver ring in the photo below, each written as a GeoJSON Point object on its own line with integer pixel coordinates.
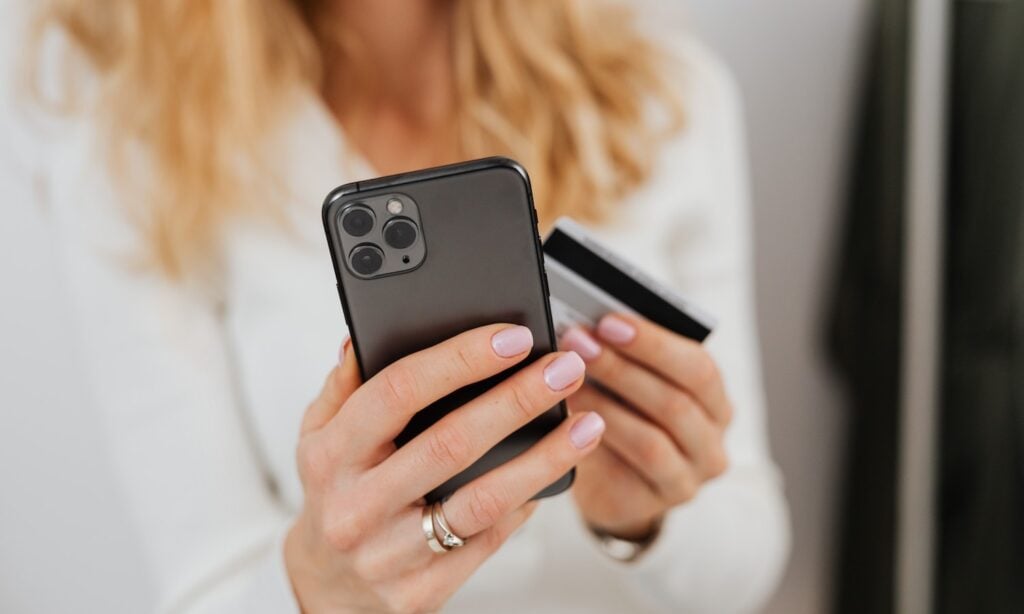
{"type": "Point", "coordinates": [428, 530]}
{"type": "Point", "coordinates": [449, 539]}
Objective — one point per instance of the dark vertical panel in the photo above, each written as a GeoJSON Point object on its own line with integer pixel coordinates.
{"type": "Point", "coordinates": [865, 335]}
{"type": "Point", "coordinates": [981, 483]}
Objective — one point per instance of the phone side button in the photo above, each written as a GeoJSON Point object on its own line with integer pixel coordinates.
{"type": "Point", "coordinates": [344, 312]}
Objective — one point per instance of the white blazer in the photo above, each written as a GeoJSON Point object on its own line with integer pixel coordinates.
{"type": "Point", "coordinates": [200, 392]}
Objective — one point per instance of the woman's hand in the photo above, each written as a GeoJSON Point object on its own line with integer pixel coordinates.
{"type": "Point", "coordinates": [666, 409]}
{"type": "Point", "coordinates": [358, 544]}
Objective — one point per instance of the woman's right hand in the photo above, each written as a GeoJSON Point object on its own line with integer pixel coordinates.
{"type": "Point", "coordinates": [358, 544]}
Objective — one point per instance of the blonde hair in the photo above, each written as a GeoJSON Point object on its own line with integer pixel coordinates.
{"type": "Point", "coordinates": [566, 87]}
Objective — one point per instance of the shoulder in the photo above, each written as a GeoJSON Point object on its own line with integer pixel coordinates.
{"type": "Point", "coordinates": [706, 158]}
{"type": "Point", "coordinates": [699, 186]}
{"type": "Point", "coordinates": [712, 98]}
{"type": "Point", "coordinates": [702, 67]}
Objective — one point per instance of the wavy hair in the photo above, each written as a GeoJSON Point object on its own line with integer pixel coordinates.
{"type": "Point", "coordinates": [570, 88]}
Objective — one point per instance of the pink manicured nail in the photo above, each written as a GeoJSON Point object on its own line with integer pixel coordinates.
{"type": "Point", "coordinates": [512, 341]}
{"type": "Point", "coordinates": [577, 340]}
{"type": "Point", "coordinates": [564, 370]}
{"type": "Point", "coordinates": [343, 349]}
{"type": "Point", "coordinates": [584, 432]}
{"type": "Point", "coordinates": [615, 329]}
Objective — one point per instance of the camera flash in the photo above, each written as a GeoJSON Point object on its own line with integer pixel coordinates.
{"type": "Point", "coordinates": [394, 206]}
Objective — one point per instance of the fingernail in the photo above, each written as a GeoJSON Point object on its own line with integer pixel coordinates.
{"type": "Point", "coordinates": [615, 329]}
{"type": "Point", "coordinates": [343, 349]}
{"type": "Point", "coordinates": [577, 340]}
{"type": "Point", "coordinates": [564, 370]}
{"type": "Point", "coordinates": [584, 432]}
{"type": "Point", "coordinates": [512, 341]}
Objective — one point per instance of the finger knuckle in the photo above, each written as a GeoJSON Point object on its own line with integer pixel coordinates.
{"type": "Point", "coordinates": [313, 461]}
{"type": "Point", "coordinates": [679, 405]}
{"type": "Point", "coordinates": [309, 417]}
{"type": "Point", "coordinates": [521, 403]}
{"type": "Point", "coordinates": [465, 363]}
{"type": "Point", "coordinates": [341, 537]}
{"type": "Point", "coordinates": [718, 461]}
{"type": "Point", "coordinates": [727, 414]}
{"type": "Point", "coordinates": [684, 489]}
{"type": "Point", "coordinates": [370, 566]}
{"type": "Point", "coordinates": [448, 447]}
{"type": "Point", "coordinates": [399, 385]}
{"type": "Point", "coordinates": [333, 383]}
{"type": "Point", "coordinates": [344, 528]}
{"type": "Point", "coordinates": [704, 369]}
{"type": "Point", "coordinates": [486, 505]}
{"type": "Point", "coordinates": [655, 450]}
{"type": "Point", "coordinates": [558, 458]}
{"type": "Point", "coordinates": [306, 458]}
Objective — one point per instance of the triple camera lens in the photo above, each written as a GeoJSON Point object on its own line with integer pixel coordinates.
{"type": "Point", "coordinates": [399, 233]}
{"type": "Point", "coordinates": [367, 259]}
{"type": "Point", "coordinates": [357, 221]}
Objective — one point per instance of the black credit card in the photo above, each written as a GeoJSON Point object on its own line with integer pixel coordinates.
{"type": "Point", "coordinates": [587, 280]}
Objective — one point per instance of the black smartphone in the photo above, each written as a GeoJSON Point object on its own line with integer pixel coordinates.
{"type": "Point", "coordinates": [426, 255]}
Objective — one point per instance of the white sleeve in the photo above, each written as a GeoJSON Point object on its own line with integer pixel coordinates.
{"type": "Point", "coordinates": [161, 378]}
{"type": "Point", "coordinates": [725, 550]}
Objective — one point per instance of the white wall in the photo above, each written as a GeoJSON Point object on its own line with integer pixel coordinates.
{"type": "Point", "coordinates": [795, 62]}
{"type": "Point", "coordinates": [62, 540]}
{"type": "Point", "coordinates": [62, 543]}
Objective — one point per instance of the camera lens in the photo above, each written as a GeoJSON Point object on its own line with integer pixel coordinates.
{"type": "Point", "coordinates": [400, 233]}
{"type": "Point", "coordinates": [357, 221]}
{"type": "Point", "coordinates": [367, 259]}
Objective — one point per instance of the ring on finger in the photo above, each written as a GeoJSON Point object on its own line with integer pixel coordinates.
{"type": "Point", "coordinates": [449, 540]}
{"type": "Point", "coordinates": [427, 522]}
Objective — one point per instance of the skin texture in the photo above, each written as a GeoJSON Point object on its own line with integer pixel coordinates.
{"type": "Point", "coordinates": [666, 411]}
{"type": "Point", "coordinates": [357, 545]}
{"type": "Point", "coordinates": [406, 47]}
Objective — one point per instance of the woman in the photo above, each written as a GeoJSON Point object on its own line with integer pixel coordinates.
{"type": "Point", "coordinates": [207, 308]}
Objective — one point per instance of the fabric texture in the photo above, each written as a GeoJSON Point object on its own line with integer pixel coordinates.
{"type": "Point", "coordinates": [201, 387]}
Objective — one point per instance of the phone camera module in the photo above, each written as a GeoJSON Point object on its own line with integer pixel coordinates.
{"type": "Point", "coordinates": [357, 221]}
{"type": "Point", "coordinates": [400, 233]}
{"type": "Point", "coordinates": [378, 236]}
{"type": "Point", "coordinates": [367, 259]}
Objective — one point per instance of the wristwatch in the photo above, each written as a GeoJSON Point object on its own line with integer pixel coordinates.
{"type": "Point", "coordinates": [624, 550]}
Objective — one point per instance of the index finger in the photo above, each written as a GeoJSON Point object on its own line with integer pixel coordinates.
{"type": "Point", "coordinates": [379, 409]}
{"type": "Point", "coordinates": [681, 361]}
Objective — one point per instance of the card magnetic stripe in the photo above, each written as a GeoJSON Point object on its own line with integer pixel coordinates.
{"type": "Point", "coordinates": [609, 278]}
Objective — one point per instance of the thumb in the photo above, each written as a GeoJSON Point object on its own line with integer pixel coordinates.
{"type": "Point", "coordinates": [342, 381]}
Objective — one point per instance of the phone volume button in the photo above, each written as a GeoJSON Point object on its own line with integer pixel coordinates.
{"type": "Point", "coordinates": [344, 312]}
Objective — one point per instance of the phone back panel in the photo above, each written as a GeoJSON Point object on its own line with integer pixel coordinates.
{"type": "Point", "coordinates": [483, 265]}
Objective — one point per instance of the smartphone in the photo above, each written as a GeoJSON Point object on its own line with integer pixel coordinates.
{"type": "Point", "coordinates": [426, 255]}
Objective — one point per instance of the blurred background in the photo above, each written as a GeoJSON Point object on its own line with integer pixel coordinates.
{"type": "Point", "coordinates": [863, 177]}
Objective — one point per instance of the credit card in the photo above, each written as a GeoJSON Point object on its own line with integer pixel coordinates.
{"type": "Point", "coordinates": [587, 280]}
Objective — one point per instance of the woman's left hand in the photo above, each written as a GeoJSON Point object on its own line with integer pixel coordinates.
{"type": "Point", "coordinates": [666, 411]}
